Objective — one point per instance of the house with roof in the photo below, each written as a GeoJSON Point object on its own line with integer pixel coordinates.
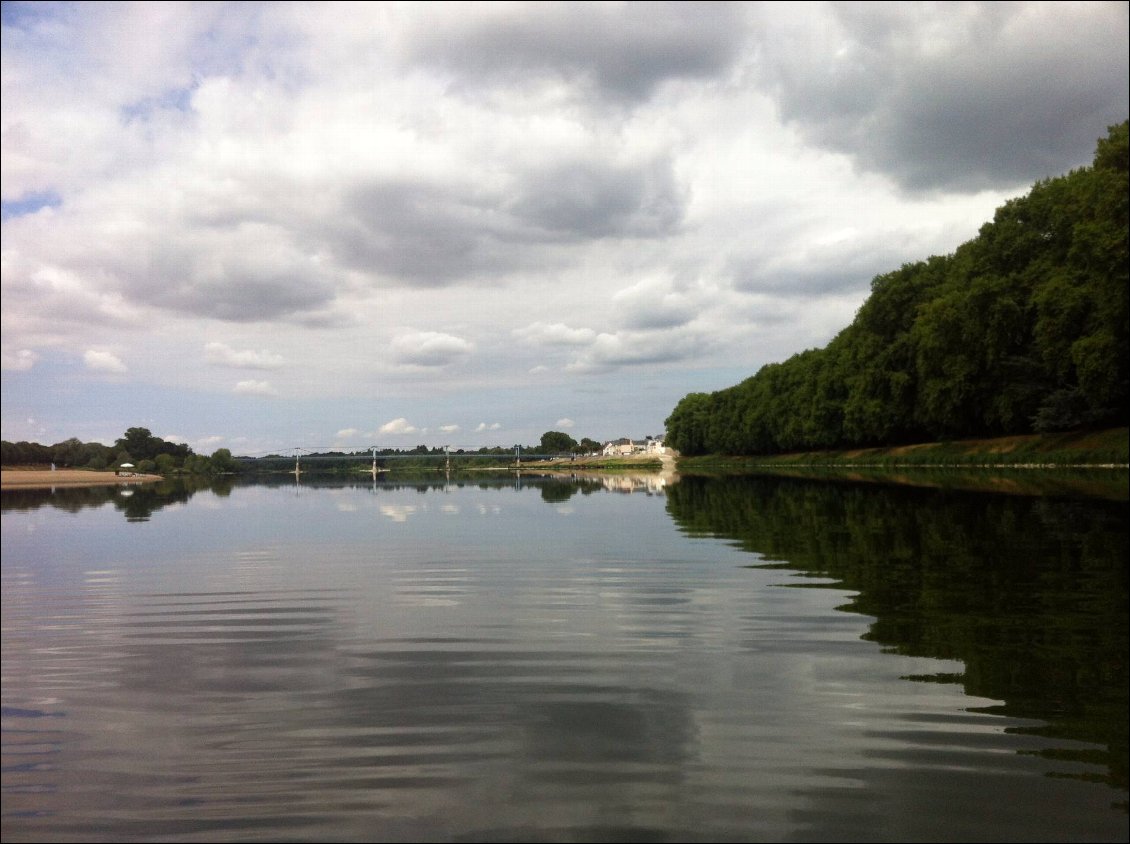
{"type": "Point", "coordinates": [625, 446]}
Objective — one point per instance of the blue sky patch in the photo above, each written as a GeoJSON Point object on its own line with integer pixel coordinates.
{"type": "Point", "coordinates": [30, 203]}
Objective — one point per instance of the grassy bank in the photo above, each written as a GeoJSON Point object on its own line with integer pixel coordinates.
{"type": "Point", "coordinates": [1079, 448]}
{"type": "Point", "coordinates": [640, 463]}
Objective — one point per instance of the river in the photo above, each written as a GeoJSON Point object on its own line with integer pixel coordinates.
{"type": "Point", "coordinates": [557, 659]}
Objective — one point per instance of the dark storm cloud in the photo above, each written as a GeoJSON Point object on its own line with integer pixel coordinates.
{"type": "Point", "coordinates": [622, 51]}
{"type": "Point", "coordinates": [960, 97]}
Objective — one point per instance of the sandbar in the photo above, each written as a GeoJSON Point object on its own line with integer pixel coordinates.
{"type": "Point", "coordinates": [46, 478]}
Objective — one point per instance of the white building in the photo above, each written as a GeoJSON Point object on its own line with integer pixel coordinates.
{"type": "Point", "coordinates": [625, 446]}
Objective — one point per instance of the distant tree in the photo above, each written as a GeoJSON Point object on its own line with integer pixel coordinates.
{"type": "Point", "coordinates": [222, 461]}
{"type": "Point", "coordinates": [197, 464]}
{"type": "Point", "coordinates": [139, 442]}
{"type": "Point", "coordinates": [166, 464]}
{"type": "Point", "coordinates": [556, 442]}
{"type": "Point", "coordinates": [68, 453]}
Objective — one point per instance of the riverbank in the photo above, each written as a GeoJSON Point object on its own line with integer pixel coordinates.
{"type": "Point", "coordinates": [1094, 449]}
{"type": "Point", "coordinates": [628, 463]}
{"type": "Point", "coordinates": [46, 478]}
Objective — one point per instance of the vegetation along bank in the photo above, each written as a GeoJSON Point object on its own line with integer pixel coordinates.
{"type": "Point", "coordinates": [1021, 331]}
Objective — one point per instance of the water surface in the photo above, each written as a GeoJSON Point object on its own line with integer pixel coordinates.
{"type": "Point", "coordinates": [557, 660]}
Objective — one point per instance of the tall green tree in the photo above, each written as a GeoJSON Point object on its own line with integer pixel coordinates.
{"type": "Point", "coordinates": [1023, 328]}
{"type": "Point", "coordinates": [556, 442]}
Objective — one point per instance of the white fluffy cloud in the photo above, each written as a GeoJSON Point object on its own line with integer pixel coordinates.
{"type": "Point", "coordinates": [429, 348]}
{"type": "Point", "coordinates": [251, 387]}
{"type": "Point", "coordinates": [222, 354]}
{"type": "Point", "coordinates": [397, 426]}
{"type": "Point", "coordinates": [18, 360]}
{"type": "Point", "coordinates": [101, 361]}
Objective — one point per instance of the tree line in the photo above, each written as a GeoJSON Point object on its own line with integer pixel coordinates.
{"type": "Point", "coordinates": [148, 453]}
{"type": "Point", "coordinates": [137, 446]}
{"type": "Point", "coordinates": [1021, 330]}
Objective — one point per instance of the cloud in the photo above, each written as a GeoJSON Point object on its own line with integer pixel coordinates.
{"type": "Point", "coordinates": [346, 434]}
{"type": "Point", "coordinates": [565, 423]}
{"type": "Point", "coordinates": [103, 362]}
{"type": "Point", "coordinates": [397, 426]}
{"type": "Point", "coordinates": [450, 429]}
{"type": "Point", "coordinates": [431, 349]}
{"type": "Point", "coordinates": [420, 234]}
{"type": "Point", "coordinates": [653, 304]}
{"type": "Point", "coordinates": [488, 207]}
{"type": "Point", "coordinates": [555, 334]}
{"type": "Point", "coordinates": [254, 388]}
{"type": "Point", "coordinates": [222, 354]}
{"type": "Point", "coordinates": [627, 348]}
{"type": "Point", "coordinates": [248, 271]}
{"type": "Point", "coordinates": [493, 426]}
{"type": "Point", "coordinates": [844, 261]}
{"type": "Point", "coordinates": [19, 360]}
{"type": "Point", "coordinates": [961, 97]}
{"type": "Point", "coordinates": [623, 52]}
{"type": "Point", "coordinates": [593, 199]}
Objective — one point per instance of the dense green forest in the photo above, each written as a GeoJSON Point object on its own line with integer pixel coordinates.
{"type": "Point", "coordinates": [1021, 330]}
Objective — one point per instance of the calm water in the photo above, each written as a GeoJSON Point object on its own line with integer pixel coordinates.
{"type": "Point", "coordinates": [719, 659]}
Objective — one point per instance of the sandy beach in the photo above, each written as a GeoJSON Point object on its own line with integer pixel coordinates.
{"type": "Point", "coordinates": [45, 478]}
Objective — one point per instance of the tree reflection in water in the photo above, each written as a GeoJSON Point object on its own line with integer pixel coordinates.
{"type": "Point", "coordinates": [1029, 592]}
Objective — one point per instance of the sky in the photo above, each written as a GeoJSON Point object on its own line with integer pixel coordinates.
{"type": "Point", "coordinates": [267, 227]}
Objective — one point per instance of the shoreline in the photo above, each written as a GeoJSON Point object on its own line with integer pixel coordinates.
{"type": "Point", "coordinates": [46, 478]}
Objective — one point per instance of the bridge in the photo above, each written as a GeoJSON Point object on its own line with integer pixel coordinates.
{"type": "Point", "coordinates": [385, 453]}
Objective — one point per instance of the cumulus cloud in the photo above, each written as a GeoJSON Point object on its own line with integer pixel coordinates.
{"type": "Point", "coordinates": [555, 334]}
{"type": "Point", "coordinates": [565, 423]}
{"type": "Point", "coordinates": [222, 354]}
{"type": "Point", "coordinates": [622, 52]}
{"type": "Point", "coordinates": [627, 348]}
{"type": "Point", "coordinates": [397, 426]}
{"type": "Point", "coordinates": [845, 261]}
{"type": "Point", "coordinates": [103, 362]}
{"type": "Point", "coordinates": [18, 360]}
{"type": "Point", "coordinates": [254, 388]}
{"type": "Point", "coordinates": [247, 271]}
{"type": "Point", "coordinates": [346, 434]}
{"type": "Point", "coordinates": [429, 349]}
{"type": "Point", "coordinates": [961, 97]}
{"type": "Point", "coordinates": [595, 199]}
{"type": "Point", "coordinates": [493, 426]}
{"type": "Point", "coordinates": [654, 304]}
{"type": "Point", "coordinates": [450, 429]}
{"type": "Point", "coordinates": [420, 234]}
